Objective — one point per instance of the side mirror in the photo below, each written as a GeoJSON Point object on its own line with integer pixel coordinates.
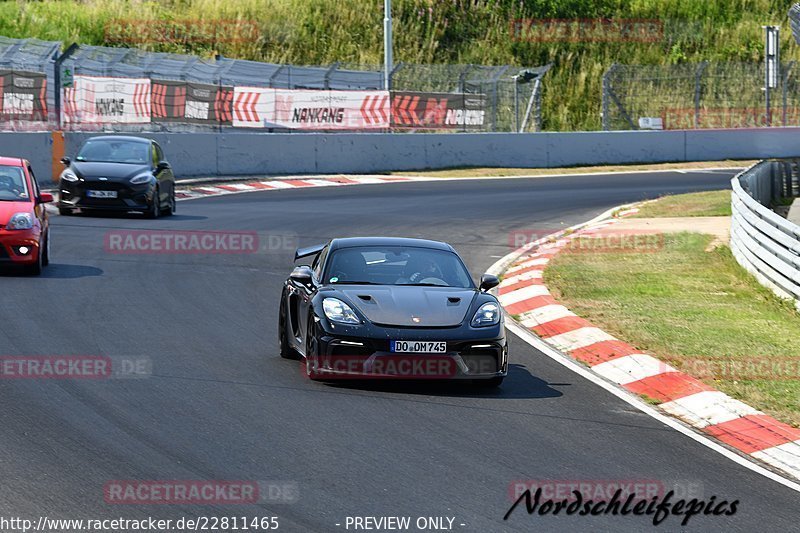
{"type": "Point", "coordinates": [489, 282]}
{"type": "Point", "coordinates": [302, 274]}
{"type": "Point", "coordinates": [66, 161]}
{"type": "Point", "coordinates": [162, 165]}
{"type": "Point", "coordinates": [45, 198]}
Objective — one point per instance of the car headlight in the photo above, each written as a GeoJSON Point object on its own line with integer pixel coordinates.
{"type": "Point", "coordinates": [20, 221]}
{"type": "Point", "coordinates": [338, 311]}
{"type": "Point", "coordinates": [141, 178]}
{"type": "Point", "coordinates": [69, 175]}
{"type": "Point", "coordinates": [487, 315]}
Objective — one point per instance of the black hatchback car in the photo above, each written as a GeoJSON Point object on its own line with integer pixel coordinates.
{"type": "Point", "coordinates": [118, 173]}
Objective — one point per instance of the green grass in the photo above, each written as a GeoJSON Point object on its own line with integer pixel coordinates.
{"type": "Point", "coordinates": [697, 310]}
{"type": "Point", "coordinates": [476, 172]}
{"type": "Point", "coordinates": [436, 31]}
{"type": "Point", "coordinates": [696, 204]}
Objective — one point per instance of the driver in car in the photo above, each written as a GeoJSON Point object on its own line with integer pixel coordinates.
{"type": "Point", "coordinates": [420, 269]}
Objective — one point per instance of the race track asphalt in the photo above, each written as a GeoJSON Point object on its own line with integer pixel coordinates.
{"type": "Point", "coordinates": [221, 405]}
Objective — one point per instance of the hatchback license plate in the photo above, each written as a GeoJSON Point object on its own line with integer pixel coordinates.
{"type": "Point", "coordinates": [101, 194]}
{"type": "Point", "coordinates": [418, 346]}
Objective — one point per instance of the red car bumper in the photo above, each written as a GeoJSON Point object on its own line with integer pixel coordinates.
{"type": "Point", "coordinates": [19, 247]}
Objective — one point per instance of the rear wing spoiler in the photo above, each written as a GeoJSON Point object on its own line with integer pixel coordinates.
{"type": "Point", "coordinates": [307, 251]}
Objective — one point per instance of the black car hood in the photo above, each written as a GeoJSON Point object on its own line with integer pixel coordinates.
{"type": "Point", "coordinates": [398, 305]}
{"type": "Point", "coordinates": [112, 171]}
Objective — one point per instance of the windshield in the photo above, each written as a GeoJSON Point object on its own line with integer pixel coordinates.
{"type": "Point", "coordinates": [396, 265]}
{"type": "Point", "coordinates": [13, 186]}
{"type": "Point", "coordinates": [113, 151]}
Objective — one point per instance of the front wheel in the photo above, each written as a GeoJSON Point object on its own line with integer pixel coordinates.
{"type": "Point", "coordinates": [287, 352]}
{"type": "Point", "coordinates": [155, 206]}
{"type": "Point", "coordinates": [170, 208]}
{"type": "Point", "coordinates": [312, 359]}
{"type": "Point", "coordinates": [46, 249]}
{"type": "Point", "coordinates": [65, 211]}
{"type": "Point", "coordinates": [36, 268]}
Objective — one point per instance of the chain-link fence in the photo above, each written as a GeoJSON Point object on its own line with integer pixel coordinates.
{"type": "Point", "coordinates": [698, 95]}
{"type": "Point", "coordinates": [27, 82]}
{"type": "Point", "coordinates": [125, 89]}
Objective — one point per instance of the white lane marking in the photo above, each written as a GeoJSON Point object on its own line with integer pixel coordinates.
{"type": "Point", "coordinates": [708, 408]}
{"type": "Point", "coordinates": [278, 184]}
{"type": "Point", "coordinates": [523, 294]}
{"type": "Point", "coordinates": [241, 186]}
{"type": "Point", "coordinates": [531, 274]}
{"type": "Point", "coordinates": [214, 190]}
{"type": "Point", "coordinates": [635, 401]}
{"type": "Point", "coordinates": [539, 261]}
{"type": "Point", "coordinates": [544, 314]}
{"type": "Point", "coordinates": [630, 368]}
{"type": "Point", "coordinates": [785, 456]}
{"type": "Point", "coordinates": [579, 338]}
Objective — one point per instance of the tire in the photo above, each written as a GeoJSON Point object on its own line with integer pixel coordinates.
{"type": "Point", "coordinates": [155, 207]}
{"type": "Point", "coordinates": [36, 268]}
{"type": "Point", "coordinates": [491, 383]}
{"type": "Point", "coordinates": [311, 352]}
{"type": "Point", "coordinates": [46, 252]}
{"type": "Point", "coordinates": [287, 352]}
{"type": "Point", "coordinates": [169, 210]}
{"type": "Point", "coordinates": [65, 211]}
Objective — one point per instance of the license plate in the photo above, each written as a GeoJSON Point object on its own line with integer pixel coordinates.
{"type": "Point", "coordinates": [101, 194]}
{"type": "Point", "coordinates": [418, 346]}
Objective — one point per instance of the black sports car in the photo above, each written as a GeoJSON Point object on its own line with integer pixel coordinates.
{"type": "Point", "coordinates": [391, 308]}
{"type": "Point", "coordinates": [119, 173]}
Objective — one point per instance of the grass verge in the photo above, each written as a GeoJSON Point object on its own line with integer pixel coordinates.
{"type": "Point", "coordinates": [473, 172]}
{"type": "Point", "coordinates": [699, 311]}
{"type": "Point", "coordinates": [696, 204]}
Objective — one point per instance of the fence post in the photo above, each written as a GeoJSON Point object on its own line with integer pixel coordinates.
{"type": "Point", "coordinates": [327, 82]}
{"type": "Point", "coordinates": [784, 83]}
{"type": "Point", "coordinates": [605, 97]}
{"type": "Point", "coordinates": [698, 75]}
{"type": "Point", "coordinates": [57, 80]}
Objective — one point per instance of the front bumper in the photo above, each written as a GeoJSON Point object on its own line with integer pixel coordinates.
{"type": "Point", "coordinates": [73, 195]}
{"type": "Point", "coordinates": [12, 241]}
{"type": "Point", "coordinates": [472, 353]}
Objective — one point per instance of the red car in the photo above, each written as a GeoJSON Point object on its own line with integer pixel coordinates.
{"type": "Point", "coordinates": [24, 228]}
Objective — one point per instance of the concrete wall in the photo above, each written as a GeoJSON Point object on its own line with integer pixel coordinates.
{"type": "Point", "coordinates": [35, 147]}
{"type": "Point", "coordinates": [231, 154]}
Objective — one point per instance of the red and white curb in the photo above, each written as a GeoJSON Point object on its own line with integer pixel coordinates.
{"type": "Point", "coordinates": [524, 294]}
{"type": "Point", "coordinates": [204, 191]}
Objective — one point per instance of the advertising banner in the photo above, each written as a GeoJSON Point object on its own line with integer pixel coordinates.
{"type": "Point", "coordinates": [438, 111]}
{"type": "Point", "coordinates": [102, 100]}
{"type": "Point", "coordinates": [257, 107]}
{"type": "Point", "coordinates": [23, 96]}
{"type": "Point", "coordinates": [194, 103]}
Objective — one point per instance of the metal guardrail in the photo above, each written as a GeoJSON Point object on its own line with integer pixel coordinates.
{"type": "Point", "coordinates": [764, 243]}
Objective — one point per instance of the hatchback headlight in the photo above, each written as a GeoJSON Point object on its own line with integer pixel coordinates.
{"type": "Point", "coordinates": [69, 175]}
{"type": "Point", "coordinates": [20, 221]}
{"type": "Point", "coordinates": [141, 178]}
{"type": "Point", "coordinates": [487, 315]}
{"type": "Point", "coordinates": [338, 311]}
